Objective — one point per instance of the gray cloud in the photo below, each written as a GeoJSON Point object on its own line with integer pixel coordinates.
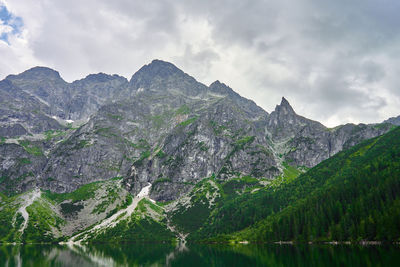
{"type": "Point", "coordinates": [336, 61]}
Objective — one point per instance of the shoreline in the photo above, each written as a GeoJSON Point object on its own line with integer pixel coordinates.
{"type": "Point", "coordinates": [243, 242]}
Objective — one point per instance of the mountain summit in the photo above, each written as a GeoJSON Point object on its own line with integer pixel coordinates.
{"type": "Point", "coordinates": [80, 151]}
{"type": "Point", "coordinates": [284, 107]}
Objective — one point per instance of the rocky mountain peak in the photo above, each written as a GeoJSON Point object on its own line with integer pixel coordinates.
{"type": "Point", "coordinates": [157, 69]}
{"type": "Point", "coordinates": [284, 107]}
{"type": "Point", "coordinates": [99, 77]}
{"type": "Point", "coordinates": [162, 76]}
{"type": "Point", "coordinates": [393, 120]}
{"type": "Point", "coordinates": [221, 88]}
{"type": "Point", "coordinates": [38, 73]}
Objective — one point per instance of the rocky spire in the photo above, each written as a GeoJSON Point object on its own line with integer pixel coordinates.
{"type": "Point", "coordinates": [284, 108]}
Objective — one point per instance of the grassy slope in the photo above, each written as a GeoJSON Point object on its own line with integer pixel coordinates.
{"type": "Point", "coordinates": [8, 208]}
{"type": "Point", "coordinates": [139, 227]}
{"type": "Point", "coordinates": [44, 224]}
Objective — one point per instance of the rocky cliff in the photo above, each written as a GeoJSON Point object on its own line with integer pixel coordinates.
{"type": "Point", "coordinates": [161, 126]}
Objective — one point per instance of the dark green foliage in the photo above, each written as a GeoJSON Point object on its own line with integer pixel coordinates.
{"type": "Point", "coordinates": [231, 186]}
{"type": "Point", "coordinates": [160, 154]}
{"type": "Point", "coordinates": [136, 230]}
{"type": "Point", "coordinates": [41, 219]}
{"type": "Point", "coordinates": [351, 196]}
{"type": "Point", "coordinates": [239, 144]}
{"type": "Point", "coordinates": [162, 180]}
{"type": "Point", "coordinates": [70, 208]}
{"type": "Point", "coordinates": [191, 219]}
{"type": "Point", "coordinates": [8, 231]}
{"type": "Point", "coordinates": [84, 192]}
{"type": "Point", "coordinates": [235, 212]}
{"type": "Point", "coordinates": [142, 144]}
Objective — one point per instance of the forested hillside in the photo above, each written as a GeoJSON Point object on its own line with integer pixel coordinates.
{"type": "Point", "coordinates": [351, 196]}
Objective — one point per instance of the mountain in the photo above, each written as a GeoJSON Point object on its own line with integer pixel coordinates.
{"type": "Point", "coordinates": [92, 146]}
{"type": "Point", "coordinates": [352, 196]}
{"type": "Point", "coordinates": [393, 120]}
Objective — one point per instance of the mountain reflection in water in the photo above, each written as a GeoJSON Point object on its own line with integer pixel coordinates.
{"type": "Point", "coordinates": [139, 254]}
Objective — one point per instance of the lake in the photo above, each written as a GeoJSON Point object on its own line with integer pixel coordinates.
{"type": "Point", "coordinates": [198, 255]}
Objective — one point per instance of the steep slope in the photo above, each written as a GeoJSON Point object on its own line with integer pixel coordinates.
{"type": "Point", "coordinates": [303, 142]}
{"type": "Point", "coordinates": [393, 120]}
{"type": "Point", "coordinates": [162, 127]}
{"type": "Point", "coordinates": [352, 196]}
{"type": "Point", "coordinates": [163, 132]}
{"type": "Point", "coordinates": [21, 113]}
{"type": "Point", "coordinates": [69, 101]}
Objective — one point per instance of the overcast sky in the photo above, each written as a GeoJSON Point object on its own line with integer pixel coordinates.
{"type": "Point", "coordinates": [335, 61]}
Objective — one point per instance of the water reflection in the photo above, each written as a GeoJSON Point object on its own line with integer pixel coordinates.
{"type": "Point", "coordinates": [197, 255]}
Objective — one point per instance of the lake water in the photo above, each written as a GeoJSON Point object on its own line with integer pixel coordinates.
{"type": "Point", "coordinates": [197, 255]}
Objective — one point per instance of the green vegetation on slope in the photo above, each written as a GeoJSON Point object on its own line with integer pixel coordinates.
{"type": "Point", "coordinates": [139, 227]}
{"type": "Point", "coordinates": [189, 218]}
{"type": "Point", "coordinates": [84, 192]}
{"type": "Point", "coordinates": [30, 148]}
{"type": "Point", "coordinates": [351, 196]}
{"type": "Point", "coordinates": [8, 229]}
{"type": "Point", "coordinates": [41, 221]}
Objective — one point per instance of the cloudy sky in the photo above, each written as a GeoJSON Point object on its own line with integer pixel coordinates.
{"type": "Point", "coordinates": [335, 61]}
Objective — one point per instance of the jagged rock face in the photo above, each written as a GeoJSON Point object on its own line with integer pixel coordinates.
{"type": "Point", "coordinates": [161, 127]}
{"type": "Point", "coordinates": [304, 142]}
{"type": "Point", "coordinates": [215, 140]}
{"type": "Point", "coordinates": [46, 85]}
{"type": "Point", "coordinates": [21, 113]}
{"type": "Point", "coordinates": [393, 120]}
{"type": "Point", "coordinates": [309, 147]}
{"type": "Point", "coordinates": [74, 101]}
{"type": "Point", "coordinates": [91, 93]}
{"type": "Point", "coordinates": [19, 169]}
{"type": "Point", "coordinates": [284, 123]}
{"type": "Point", "coordinates": [12, 130]}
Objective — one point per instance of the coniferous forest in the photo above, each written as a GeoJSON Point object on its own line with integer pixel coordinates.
{"type": "Point", "coordinates": [352, 196]}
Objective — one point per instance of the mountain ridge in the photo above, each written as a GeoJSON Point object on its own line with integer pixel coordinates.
{"type": "Point", "coordinates": [123, 125]}
{"type": "Point", "coordinates": [91, 145]}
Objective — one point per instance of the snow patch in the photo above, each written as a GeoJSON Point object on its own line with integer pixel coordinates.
{"type": "Point", "coordinates": [145, 191]}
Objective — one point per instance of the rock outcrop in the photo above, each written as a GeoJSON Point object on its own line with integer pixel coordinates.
{"type": "Point", "coordinates": [161, 126]}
